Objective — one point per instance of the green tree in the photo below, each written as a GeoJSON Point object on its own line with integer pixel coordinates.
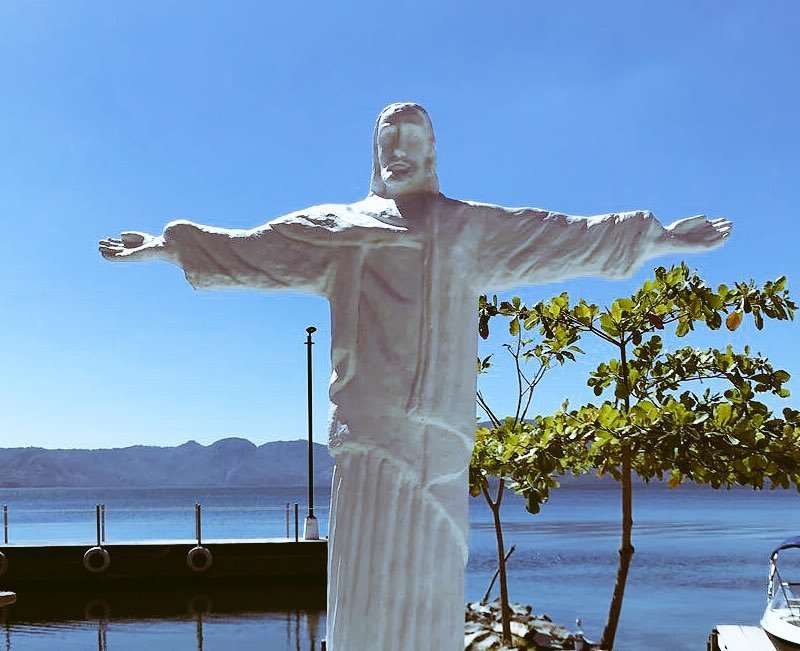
{"type": "Point", "coordinates": [511, 448]}
{"type": "Point", "coordinates": [690, 414]}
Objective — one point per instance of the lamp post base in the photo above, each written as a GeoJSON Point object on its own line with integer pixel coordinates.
{"type": "Point", "coordinates": [311, 528]}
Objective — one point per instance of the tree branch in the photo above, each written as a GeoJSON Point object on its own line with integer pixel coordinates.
{"type": "Point", "coordinates": [483, 405]}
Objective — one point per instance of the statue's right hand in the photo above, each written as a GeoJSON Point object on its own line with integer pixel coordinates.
{"type": "Point", "coordinates": [132, 245]}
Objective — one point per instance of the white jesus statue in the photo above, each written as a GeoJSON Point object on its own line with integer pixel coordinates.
{"type": "Point", "coordinates": [402, 270]}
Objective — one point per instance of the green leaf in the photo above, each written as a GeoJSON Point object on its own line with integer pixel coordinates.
{"type": "Point", "coordinates": [723, 414]}
{"type": "Point", "coordinates": [675, 479]}
{"type": "Point", "coordinates": [483, 327]}
{"type": "Point", "coordinates": [608, 325]}
{"type": "Point", "coordinates": [714, 320]}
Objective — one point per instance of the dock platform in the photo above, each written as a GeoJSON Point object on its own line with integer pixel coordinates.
{"type": "Point", "coordinates": [735, 637]}
{"type": "Point", "coordinates": [165, 563]}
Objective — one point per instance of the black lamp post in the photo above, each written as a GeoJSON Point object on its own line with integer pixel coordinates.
{"type": "Point", "coordinates": [311, 527]}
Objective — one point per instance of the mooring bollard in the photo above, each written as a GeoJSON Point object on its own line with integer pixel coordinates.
{"type": "Point", "coordinates": [197, 524]}
{"type": "Point", "coordinates": [5, 524]}
{"type": "Point", "coordinates": [296, 526]}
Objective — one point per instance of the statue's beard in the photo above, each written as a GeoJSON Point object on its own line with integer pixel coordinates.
{"type": "Point", "coordinates": [397, 177]}
{"type": "Point", "coordinates": [406, 178]}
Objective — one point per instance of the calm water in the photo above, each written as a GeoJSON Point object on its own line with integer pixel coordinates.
{"type": "Point", "coordinates": [700, 560]}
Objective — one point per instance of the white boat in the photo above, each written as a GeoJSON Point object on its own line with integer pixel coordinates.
{"type": "Point", "coordinates": [781, 619]}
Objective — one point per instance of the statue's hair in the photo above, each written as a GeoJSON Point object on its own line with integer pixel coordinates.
{"type": "Point", "coordinates": [409, 112]}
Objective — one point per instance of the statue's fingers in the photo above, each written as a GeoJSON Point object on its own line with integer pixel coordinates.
{"type": "Point", "coordinates": [112, 248]}
{"type": "Point", "coordinates": [107, 252]}
{"type": "Point", "coordinates": [723, 227]}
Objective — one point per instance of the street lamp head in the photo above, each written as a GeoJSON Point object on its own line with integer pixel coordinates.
{"type": "Point", "coordinates": [311, 330]}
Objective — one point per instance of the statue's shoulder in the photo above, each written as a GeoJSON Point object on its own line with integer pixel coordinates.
{"type": "Point", "coordinates": [490, 209]}
{"type": "Point", "coordinates": [359, 220]}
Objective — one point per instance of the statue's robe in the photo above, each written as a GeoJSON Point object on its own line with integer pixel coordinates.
{"type": "Point", "coordinates": [402, 280]}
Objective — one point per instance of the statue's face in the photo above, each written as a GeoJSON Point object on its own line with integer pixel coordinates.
{"type": "Point", "coordinates": [404, 154]}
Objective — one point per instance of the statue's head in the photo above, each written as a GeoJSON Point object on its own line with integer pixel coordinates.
{"type": "Point", "coordinates": [404, 152]}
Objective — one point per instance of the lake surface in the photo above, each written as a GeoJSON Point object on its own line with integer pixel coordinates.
{"type": "Point", "coordinates": [700, 560]}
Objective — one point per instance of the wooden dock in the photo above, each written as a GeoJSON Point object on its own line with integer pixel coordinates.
{"type": "Point", "coordinates": [735, 637]}
{"type": "Point", "coordinates": [165, 563]}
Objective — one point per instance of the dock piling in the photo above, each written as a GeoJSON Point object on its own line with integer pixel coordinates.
{"type": "Point", "coordinates": [103, 522]}
{"type": "Point", "coordinates": [5, 524]}
{"type": "Point", "coordinates": [296, 525]}
{"type": "Point", "coordinates": [287, 519]}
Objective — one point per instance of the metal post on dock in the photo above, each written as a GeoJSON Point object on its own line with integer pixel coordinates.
{"type": "Point", "coordinates": [296, 525]}
{"type": "Point", "coordinates": [5, 524]}
{"type": "Point", "coordinates": [97, 518]}
{"type": "Point", "coordinates": [287, 518]}
{"type": "Point", "coordinates": [103, 522]}
{"type": "Point", "coordinates": [197, 524]}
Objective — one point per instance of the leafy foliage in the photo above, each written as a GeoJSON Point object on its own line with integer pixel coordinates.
{"type": "Point", "coordinates": [528, 456]}
{"type": "Point", "coordinates": [689, 414]}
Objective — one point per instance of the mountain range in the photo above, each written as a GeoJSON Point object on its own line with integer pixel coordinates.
{"type": "Point", "coordinates": [229, 462]}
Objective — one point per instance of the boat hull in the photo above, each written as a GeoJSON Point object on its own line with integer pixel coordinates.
{"type": "Point", "coordinates": [775, 623]}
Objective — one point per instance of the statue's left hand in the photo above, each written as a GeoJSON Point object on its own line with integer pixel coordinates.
{"type": "Point", "coordinates": [132, 245]}
{"type": "Point", "coordinates": [697, 233]}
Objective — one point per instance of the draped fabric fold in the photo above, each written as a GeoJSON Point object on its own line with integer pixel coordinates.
{"type": "Point", "coordinates": [404, 587]}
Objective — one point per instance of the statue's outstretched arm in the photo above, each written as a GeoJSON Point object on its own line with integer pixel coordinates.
{"type": "Point", "coordinates": [531, 246]}
{"type": "Point", "coordinates": [278, 255]}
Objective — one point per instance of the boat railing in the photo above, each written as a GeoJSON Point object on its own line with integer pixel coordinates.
{"type": "Point", "coordinates": [785, 595]}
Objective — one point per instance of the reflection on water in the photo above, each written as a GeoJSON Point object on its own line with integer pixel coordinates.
{"type": "Point", "coordinates": [213, 618]}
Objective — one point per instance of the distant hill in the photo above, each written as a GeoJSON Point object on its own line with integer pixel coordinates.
{"type": "Point", "coordinates": [228, 462]}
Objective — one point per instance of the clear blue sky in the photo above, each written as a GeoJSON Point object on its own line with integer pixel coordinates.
{"type": "Point", "coordinates": [126, 115]}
